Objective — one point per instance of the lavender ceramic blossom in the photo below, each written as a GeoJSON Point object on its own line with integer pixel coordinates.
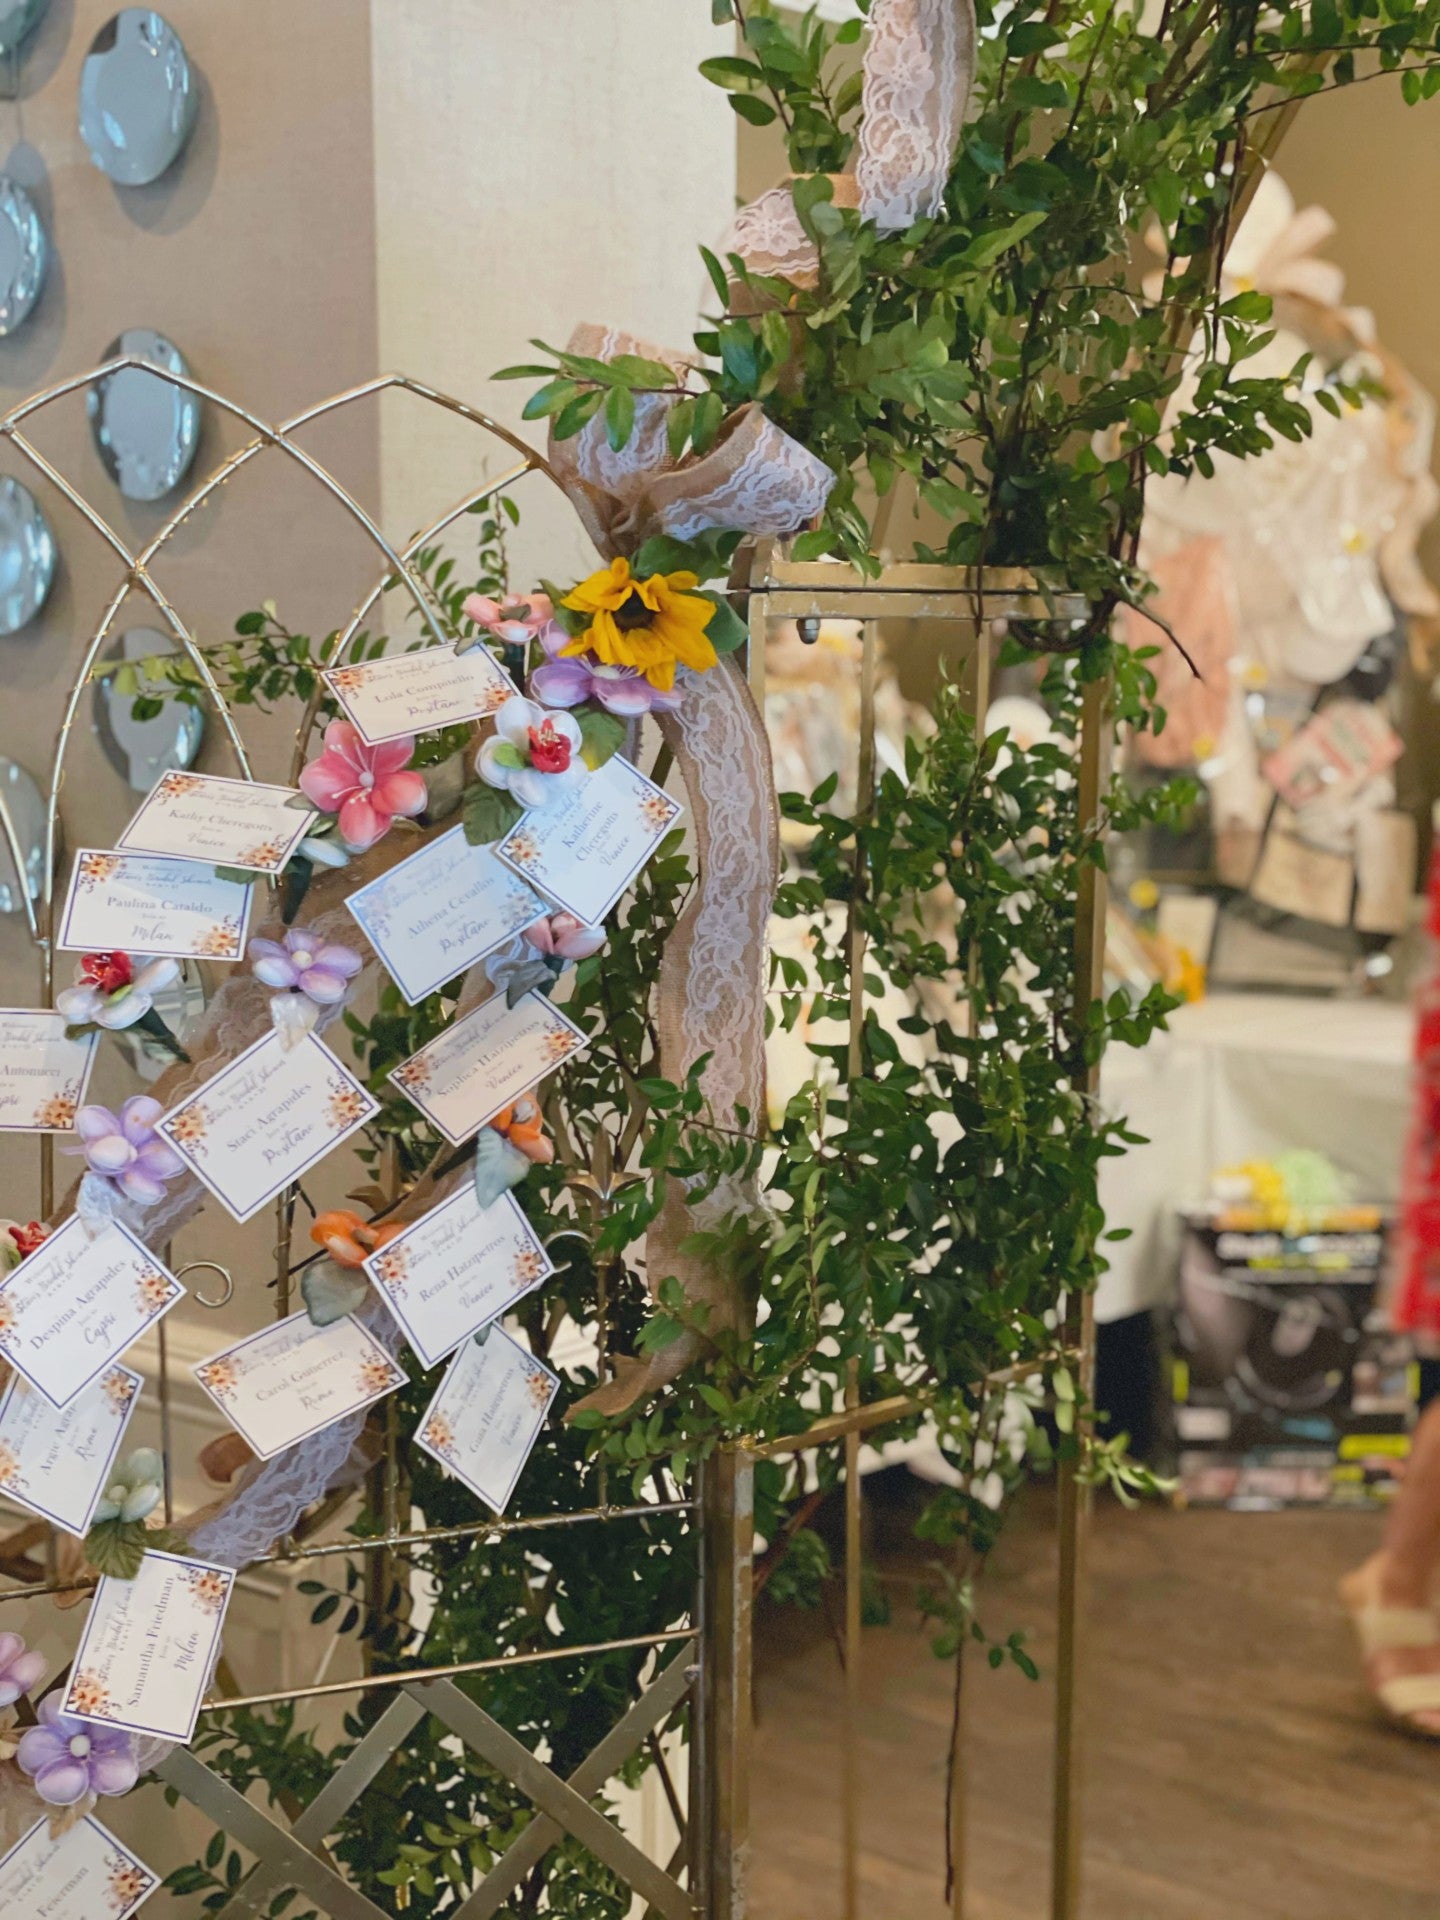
{"type": "Point", "coordinates": [623, 691]}
{"type": "Point", "coordinates": [68, 1758]}
{"type": "Point", "coordinates": [305, 962]}
{"type": "Point", "coordinates": [21, 1668]}
{"type": "Point", "coordinates": [125, 1149]}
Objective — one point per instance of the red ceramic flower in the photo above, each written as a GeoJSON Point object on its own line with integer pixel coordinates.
{"type": "Point", "coordinates": [108, 971]}
{"type": "Point", "coordinates": [366, 786]}
{"type": "Point", "coordinates": [550, 750]}
{"type": "Point", "coordinates": [28, 1237]}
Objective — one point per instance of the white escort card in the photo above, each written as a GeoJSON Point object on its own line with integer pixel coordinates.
{"type": "Point", "coordinates": [56, 1461]}
{"type": "Point", "coordinates": [43, 1075]}
{"type": "Point", "coordinates": [224, 823]}
{"type": "Point", "coordinates": [84, 1875]}
{"type": "Point", "coordinates": [266, 1118]}
{"type": "Point", "coordinates": [418, 692]}
{"type": "Point", "coordinates": [153, 904]}
{"type": "Point", "coordinates": [440, 911]}
{"type": "Point", "coordinates": [293, 1378]}
{"type": "Point", "coordinates": [584, 852]}
{"type": "Point", "coordinates": [71, 1308]}
{"type": "Point", "coordinates": [487, 1416]}
{"type": "Point", "coordinates": [145, 1656]}
{"type": "Point", "coordinates": [468, 1073]}
{"type": "Point", "coordinates": [456, 1268]}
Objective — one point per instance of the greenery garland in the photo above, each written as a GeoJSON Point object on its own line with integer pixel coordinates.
{"type": "Point", "coordinates": [999, 361]}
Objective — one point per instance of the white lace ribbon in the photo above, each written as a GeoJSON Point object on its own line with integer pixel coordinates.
{"type": "Point", "coordinates": [293, 1016]}
{"type": "Point", "coordinates": [918, 67]}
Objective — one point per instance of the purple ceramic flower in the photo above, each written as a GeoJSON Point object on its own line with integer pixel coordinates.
{"type": "Point", "coordinates": [68, 1758]}
{"type": "Point", "coordinates": [307, 963]}
{"type": "Point", "coordinates": [623, 691]}
{"type": "Point", "coordinates": [21, 1668]}
{"type": "Point", "coordinates": [125, 1148]}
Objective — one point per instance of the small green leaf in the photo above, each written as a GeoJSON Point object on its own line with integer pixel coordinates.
{"type": "Point", "coordinates": [241, 876]}
{"type": "Point", "coordinates": [619, 417]}
{"type": "Point", "coordinates": [725, 630]}
{"type": "Point", "coordinates": [117, 1547]}
{"type": "Point", "coordinates": [489, 814]}
{"type": "Point", "coordinates": [601, 735]}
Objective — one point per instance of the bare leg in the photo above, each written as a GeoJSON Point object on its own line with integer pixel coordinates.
{"type": "Point", "coordinates": [1402, 1573]}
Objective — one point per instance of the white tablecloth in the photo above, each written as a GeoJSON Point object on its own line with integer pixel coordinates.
{"type": "Point", "coordinates": [1241, 1077]}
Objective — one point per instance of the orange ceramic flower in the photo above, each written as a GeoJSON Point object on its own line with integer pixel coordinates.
{"type": "Point", "coordinates": [524, 1128]}
{"type": "Point", "coordinates": [348, 1239]}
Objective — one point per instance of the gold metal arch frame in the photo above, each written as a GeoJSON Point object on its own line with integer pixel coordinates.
{"type": "Point", "coordinates": [704, 1665]}
{"type": "Point", "coordinates": [296, 1856]}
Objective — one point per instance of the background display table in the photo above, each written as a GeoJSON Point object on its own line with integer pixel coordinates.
{"type": "Point", "coordinates": [1243, 1077]}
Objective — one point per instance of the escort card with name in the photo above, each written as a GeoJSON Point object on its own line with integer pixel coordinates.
{"type": "Point", "coordinates": [265, 1119]}
{"type": "Point", "coordinates": [418, 692]}
{"type": "Point", "coordinates": [440, 911]}
{"type": "Point", "coordinates": [150, 903]}
{"type": "Point", "coordinates": [487, 1416]}
{"type": "Point", "coordinates": [145, 1656]}
{"type": "Point", "coordinates": [224, 823]}
{"type": "Point", "coordinates": [456, 1268]}
{"type": "Point", "coordinates": [468, 1073]}
{"type": "Point", "coordinates": [293, 1378]}
{"type": "Point", "coordinates": [43, 1075]}
{"type": "Point", "coordinates": [584, 852]}
{"type": "Point", "coordinates": [84, 1875]}
{"type": "Point", "coordinates": [70, 1309]}
{"type": "Point", "coordinates": [56, 1461]}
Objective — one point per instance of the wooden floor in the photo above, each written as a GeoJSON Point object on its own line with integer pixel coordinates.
{"type": "Point", "coordinates": [1236, 1771]}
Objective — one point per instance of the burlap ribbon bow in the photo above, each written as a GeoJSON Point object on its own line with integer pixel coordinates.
{"type": "Point", "coordinates": [710, 997]}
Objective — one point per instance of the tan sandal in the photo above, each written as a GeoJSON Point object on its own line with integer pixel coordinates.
{"type": "Point", "coordinates": [1383, 1629]}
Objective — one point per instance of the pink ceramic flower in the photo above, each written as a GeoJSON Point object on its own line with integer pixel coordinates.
{"type": "Point", "coordinates": [515, 619]}
{"type": "Point", "coordinates": [564, 936]}
{"type": "Point", "coordinates": [623, 691]}
{"type": "Point", "coordinates": [366, 786]}
{"type": "Point", "coordinates": [21, 1668]}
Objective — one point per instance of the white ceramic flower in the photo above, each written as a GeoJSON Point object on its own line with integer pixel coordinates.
{"type": "Point", "coordinates": [534, 753]}
{"type": "Point", "coordinates": [89, 1003]}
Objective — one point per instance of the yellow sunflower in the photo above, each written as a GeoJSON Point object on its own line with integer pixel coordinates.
{"type": "Point", "coordinates": [645, 624]}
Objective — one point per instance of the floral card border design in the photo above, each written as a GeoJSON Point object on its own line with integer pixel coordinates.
{"type": "Point", "coordinates": [56, 1112]}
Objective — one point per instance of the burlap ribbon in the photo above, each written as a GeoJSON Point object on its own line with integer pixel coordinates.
{"type": "Point", "coordinates": [711, 990]}
{"type": "Point", "coordinates": [919, 64]}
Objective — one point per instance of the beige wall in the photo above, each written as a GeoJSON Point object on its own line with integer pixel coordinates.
{"type": "Point", "coordinates": [1374, 163]}
{"type": "Point", "coordinates": [255, 253]}
{"type": "Point", "coordinates": [535, 167]}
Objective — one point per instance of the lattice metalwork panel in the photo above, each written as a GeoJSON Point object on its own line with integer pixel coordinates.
{"type": "Point", "coordinates": [296, 1856]}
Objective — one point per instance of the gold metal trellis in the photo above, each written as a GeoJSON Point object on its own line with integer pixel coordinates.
{"type": "Point", "coordinates": [702, 1665]}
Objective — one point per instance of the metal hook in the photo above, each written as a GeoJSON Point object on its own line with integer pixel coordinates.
{"type": "Point", "coordinates": [226, 1297]}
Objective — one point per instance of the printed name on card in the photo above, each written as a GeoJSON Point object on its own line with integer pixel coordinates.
{"type": "Point", "coordinates": [71, 1308]}
{"type": "Point", "coordinates": [437, 913]}
{"type": "Point", "coordinates": [457, 1268]}
{"type": "Point", "coordinates": [152, 904]}
{"type": "Point", "coordinates": [43, 1075]}
{"type": "Point", "coordinates": [224, 823]}
{"type": "Point", "coordinates": [145, 1656]}
{"type": "Point", "coordinates": [583, 853]}
{"type": "Point", "coordinates": [468, 1073]}
{"type": "Point", "coordinates": [418, 692]}
{"type": "Point", "coordinates": [56, 1461]}
{"type": "Point", "coordinates": [483, 1423]}
{"type": "Point", "coordinates": [84, 1875]}
{"type": "Point", "coordinates": [265, 1119]}
{"type": "Point", "coordinates": [293, 1378]}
